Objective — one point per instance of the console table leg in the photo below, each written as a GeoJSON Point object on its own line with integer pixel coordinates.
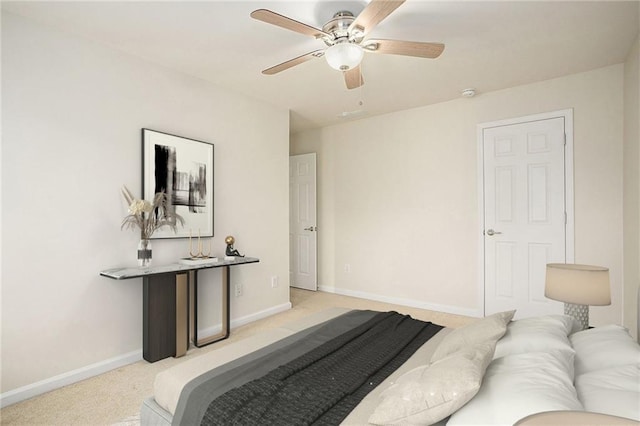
{"type": "Point", "coordinates": [226, 285]}
{"type": "Point", "coordinates": [226, 289]}
{"type": "Point", "coordinates": [193, 280]}
{"type": "Point", "coordinates": [182, 315]}
{"type": "Point", "coordinates": [158, 317]}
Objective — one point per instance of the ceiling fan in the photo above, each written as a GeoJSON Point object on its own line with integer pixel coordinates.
{"type": "Point", "coordinates": [345, 37]}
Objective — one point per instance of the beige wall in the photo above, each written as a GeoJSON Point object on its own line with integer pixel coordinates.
{"type": "Point", "coordinates": [632, 187]}
{"type": "Point", "coordinates": [398, 197]}
{"type": "Point", "coordinates": [72, 111]}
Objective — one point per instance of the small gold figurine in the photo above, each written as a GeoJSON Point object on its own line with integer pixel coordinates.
{"type": "Point", "coordinates": [230, 250]}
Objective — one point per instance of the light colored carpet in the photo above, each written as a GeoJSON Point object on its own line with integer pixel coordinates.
{"type": "Point", "coordinates": [114, 398]}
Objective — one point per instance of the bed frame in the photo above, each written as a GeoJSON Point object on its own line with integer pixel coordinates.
{"type": "Point", "coordinates": [582, 366]}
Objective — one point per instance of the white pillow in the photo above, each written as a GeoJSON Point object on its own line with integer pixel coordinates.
{"type": "Point", "coordinates": [536, 334]}
{"type": "Point", "coordinates": [614, 391]}
{"type": "Point", "coordinates": [566, 323]}
{"type": "Point", "coordinates": [428, 394]}
{"type": "Point", "coordinates": [516, 386]}
{"type": "Point", "coordinates": [490, 328]}
{"type": "Point", "coordinates": [604, 347]}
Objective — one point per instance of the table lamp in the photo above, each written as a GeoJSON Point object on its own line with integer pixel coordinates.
{"type": "Point", "coordinates": [578, 286]}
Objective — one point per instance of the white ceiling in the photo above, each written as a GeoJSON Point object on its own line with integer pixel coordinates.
{"type": "Point", "coordinates": [489, 46]}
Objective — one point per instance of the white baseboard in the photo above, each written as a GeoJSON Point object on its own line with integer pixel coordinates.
{"type": "Point", "coordinates": [216, 329]}
{"type": "Point", "coordinates": [455, 310]}
{"type": "Point", "coordinates": [47, 385]}
{"type": "Point", "coordinates": [43, 386]}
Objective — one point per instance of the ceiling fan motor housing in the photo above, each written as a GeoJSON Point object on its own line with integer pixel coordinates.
{"type": "Point", "coordinates": [338, 27]}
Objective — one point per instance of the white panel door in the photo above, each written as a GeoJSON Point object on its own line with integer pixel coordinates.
{"type": "Point", "coordinates": [524, 214]}
{"type": "Point", "coordinates": [302, 222]}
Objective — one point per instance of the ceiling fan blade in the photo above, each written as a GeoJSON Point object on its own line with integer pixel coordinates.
{"type": "Point", "coordinates": [293, 62]}
{"type": "Point", "coordinates": [374, 13]}
{"type": "Point", "coordinates": [273, 18]}
{"type": "Point", "coordinates": [407, 48]}
{"type": "Point", "coordinates": [353, 78]}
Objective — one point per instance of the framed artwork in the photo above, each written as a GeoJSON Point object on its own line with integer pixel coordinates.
{"type": "Point", "coordinates": [182, 168]}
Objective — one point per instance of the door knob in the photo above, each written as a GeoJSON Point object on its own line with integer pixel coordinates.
{"type": "Point", "coordinates": [491, 232]}
{"type": "Point", "coordinates": [311, 228]}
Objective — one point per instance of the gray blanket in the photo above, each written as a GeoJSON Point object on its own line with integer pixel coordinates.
{"type": "Point", "coordinates": [314, 347]}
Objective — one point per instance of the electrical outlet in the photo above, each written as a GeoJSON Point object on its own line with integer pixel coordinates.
{"type": "Point", "coordinates": [238, 289]}
{"type": "Point", "coordinates": [274, 281]}
{"type": "Point", "coordinates": [347, 268]}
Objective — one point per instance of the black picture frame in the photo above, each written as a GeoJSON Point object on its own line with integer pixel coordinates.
{"type": "Point", "coordinates": [183, 169]}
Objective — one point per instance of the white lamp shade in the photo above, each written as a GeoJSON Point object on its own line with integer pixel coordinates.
{"type": "Point", "coordinates": [578, 284]}
{"type": "Point", "coordinates": [344, 56]}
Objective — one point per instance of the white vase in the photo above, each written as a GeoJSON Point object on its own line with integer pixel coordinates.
{"type": "Point", "coordinates": [144, 253]}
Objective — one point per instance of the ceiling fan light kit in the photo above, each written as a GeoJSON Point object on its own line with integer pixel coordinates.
{"type": "Point", "coordinates": [345, 37]}
{"type": "Point", "coordinates": [344, 56]}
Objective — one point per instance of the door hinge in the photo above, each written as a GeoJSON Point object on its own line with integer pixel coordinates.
{"type": "Point", "coordinates": [565, 139]}
{"type": "Point", "coordinates": [565, 218]}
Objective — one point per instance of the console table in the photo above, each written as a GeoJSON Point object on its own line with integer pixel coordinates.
{"type": "Point", "coordinates": [170, 308]}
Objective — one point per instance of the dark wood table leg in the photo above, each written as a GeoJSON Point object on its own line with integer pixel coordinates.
{"type": "Point", "coordinates": [158, 316]}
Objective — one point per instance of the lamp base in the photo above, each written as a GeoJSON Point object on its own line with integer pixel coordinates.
{"type": "Point", "coordinates": [579, 312]}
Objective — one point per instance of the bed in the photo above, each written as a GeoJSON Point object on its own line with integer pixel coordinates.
{"type": "Point", "coordinates": [493, 371]}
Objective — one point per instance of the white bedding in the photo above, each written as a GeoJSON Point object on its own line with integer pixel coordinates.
{"type": "Point", "coordinates": [541, 364]}
{"type": "Point", "coordinates": [608, 371]}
